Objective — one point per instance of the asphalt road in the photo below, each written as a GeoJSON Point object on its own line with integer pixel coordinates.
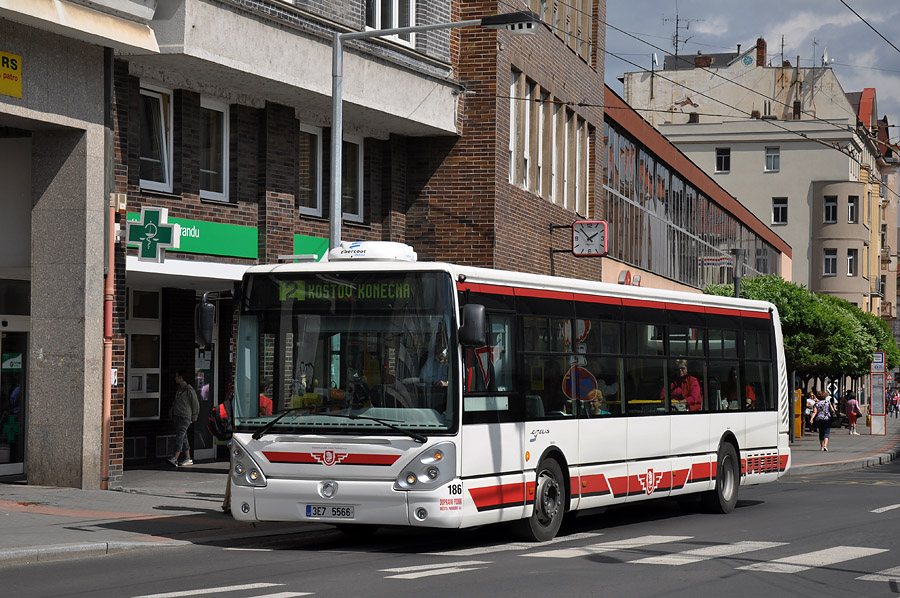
{"type": "Point", "coordinates": [823, 535]}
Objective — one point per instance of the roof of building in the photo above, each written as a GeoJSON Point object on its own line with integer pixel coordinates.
{"type": "Point", "coordinates": [684, 62]}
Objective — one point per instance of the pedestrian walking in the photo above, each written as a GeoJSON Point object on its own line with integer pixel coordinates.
{"type": "Point", "coordinates": [895, 404]}
{"type": "Point", "coordinates": [185, 410]}
{"type": "Point", "coordinates": [853, 412]}
{"type": "Point", "coordinates": [821, 417]}
{"type": "Point", "coordinates": [810, 403]}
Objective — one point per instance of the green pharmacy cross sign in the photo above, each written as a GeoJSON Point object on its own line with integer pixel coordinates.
{"type": "Point", "coordinates": [154, 234]}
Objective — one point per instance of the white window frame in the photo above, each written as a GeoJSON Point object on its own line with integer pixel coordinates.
{"type": "Point", "coordinates": [779, 208]}
{"type": "Point", "coordinates": [394, 24]}
{"type": "Point", "coordinates": [167, 157]}
{"type": "Point", "coordinates": [317, 133]}
{"type": "Point", "coordinates": [223, 108]}
{"type": "Point", "coordinates": [350, 216]}
{"type": "Point", "coordinates": [852, 262]}
{"type": "Point", "coordinates": [829, 262]}
{"type": "Point", "coordinates": [723, 149]}
{"type": "Point", "coordinates": [773, 159]}
{"type": "Point", "coordinates": [853, 209]}
{"type": "Point", "coordinates": [147, 327]}
{"type": "Point", "coordinates": [830, 204]}
{"type": "Point", "coordinates": [530, 87]}
{"type": "Point", "coordinates": [513, 124]}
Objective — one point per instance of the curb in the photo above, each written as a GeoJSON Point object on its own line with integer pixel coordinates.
{"type": "Point", "coordinates": [59, 552]}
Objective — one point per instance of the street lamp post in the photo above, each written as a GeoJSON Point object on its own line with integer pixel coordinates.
{"type": "Point", "coordinates": [516, 22]}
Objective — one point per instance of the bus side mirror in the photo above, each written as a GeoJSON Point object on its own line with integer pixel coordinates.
{"type": "Point", "coordinates": [471, 332]}
{"type": "Point", "coordinates": [204, 319]}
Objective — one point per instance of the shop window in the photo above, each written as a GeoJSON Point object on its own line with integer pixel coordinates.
{"type": "Point", "coordinates": [213, 150]}
{"type": "Point", "coordinates": [145, 305]}
{"type": "Point", "coordinates": [156, 139]}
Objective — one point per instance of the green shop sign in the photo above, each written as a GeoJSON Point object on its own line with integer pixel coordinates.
{"type": "Point", "coordinates": [306, 245]}
{"type": "Point", "coordinates": [197, 236]}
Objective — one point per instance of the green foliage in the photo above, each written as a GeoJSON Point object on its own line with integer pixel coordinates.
{"type": "Point", "coordinates": [823, 335]}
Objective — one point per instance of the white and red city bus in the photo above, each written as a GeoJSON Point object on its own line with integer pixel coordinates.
{"type": "Point", "coordinates": [373, 389]}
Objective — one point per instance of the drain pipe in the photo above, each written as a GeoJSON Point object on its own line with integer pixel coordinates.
{"type": "Point", "coordinates": [109, 295]}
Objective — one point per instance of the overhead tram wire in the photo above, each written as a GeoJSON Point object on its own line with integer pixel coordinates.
{"type": "Point", "coordinates": [870, 26]}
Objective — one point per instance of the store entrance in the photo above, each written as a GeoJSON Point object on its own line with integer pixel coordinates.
{"type": "Point", "coordinates": [13, 398]}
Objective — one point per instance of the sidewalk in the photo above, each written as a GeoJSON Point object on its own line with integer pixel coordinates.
{"type": "Point", "coordinates": [164, 506]}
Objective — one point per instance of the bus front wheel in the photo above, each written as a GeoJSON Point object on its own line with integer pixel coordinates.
{"type": "Point", "coordinates": [549, 504]}
{"type": "Point", "coordinates": [724, 497]}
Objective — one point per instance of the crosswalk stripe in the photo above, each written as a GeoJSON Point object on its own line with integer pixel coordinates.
{"type": "Point", "coordinates": [217, 590]}
{"type": "Point", "coordinates": [418, 571]}
{"type": "Point", "coordinates": [887, 575]}
{"type": "Point", "coordinates": [706, 553]}
{"type": "Point", "coordinates": [809, 560]}
{"type": "Point", "coordinates": [513, 546]}
{"type": "Point", "coordinates": [885, 509]}
{"type": "Point", "coordinates": [568, 553]}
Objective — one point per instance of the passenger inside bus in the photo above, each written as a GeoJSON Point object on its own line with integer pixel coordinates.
{"type": "Point", "coordinates": [684, 390]}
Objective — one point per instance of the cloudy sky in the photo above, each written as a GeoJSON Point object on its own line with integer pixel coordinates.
{"type": "Point", "coordinates": [861, 58]}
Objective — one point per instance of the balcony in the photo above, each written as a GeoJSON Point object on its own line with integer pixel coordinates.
{"type": "Point", "coordinates": [886, 255]}
{"type": "Point", "coordinates": [887, 310]}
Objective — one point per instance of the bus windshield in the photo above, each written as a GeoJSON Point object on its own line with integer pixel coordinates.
{"type": "Point", "coordinates": [346, 353]}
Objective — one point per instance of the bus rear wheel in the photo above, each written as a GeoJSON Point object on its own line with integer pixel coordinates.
{"type": "Point", "coordinates": [723, 498]}
{"type": "Point", "coordinates": [549, 504]}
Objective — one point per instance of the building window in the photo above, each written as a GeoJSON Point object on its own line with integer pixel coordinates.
{"type": "Point", "coordinates": [723, 159]}
{"type": "Point", "coordinates": [852, 261]}
{"type": "Point", "coordinates": [143, 332]}
{"type": "Point", "coordinates": [773, 159]}
{"type": "Point", "coordinates": [352, 180]}
{"type": "Point", "coordinates": [309, 174]}
{"type": "Point", "coordinates": [830, 268]}
{"type": "Point", "coordinates": [779, 210]}
{"type": "Point", "coordinates": [830, 209]}
{"type": "Point", "coordinates": [213, 150]}
{"type": "Point", "coordinates": [156, 139]}
{"type": "Point", "coordinates": [853, 209]}
{"type": "Point", "coordinates": [392, 14]}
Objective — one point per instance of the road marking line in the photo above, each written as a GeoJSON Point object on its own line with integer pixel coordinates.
{"type": "Point", "coordinates": [200, 592]}
{"type": "Point", "coordinates": [887, 575]}
{"type": "Point", "coordinates": [512, 546]}
{"type": "Point", "coordinates": [283, 595]}
{"type": "Point", "coordinates": [568, 553]}
{"type": "Point", "coordinates": [885, 509]}
{"type": "Point", "coordinates": [417, 571]}
{"type": "Point", "coordinates": [809, 560]}
{"type": "Point", "coordinates": [252, 549]}
{"type": "Point", "coordinates": [709, 552]}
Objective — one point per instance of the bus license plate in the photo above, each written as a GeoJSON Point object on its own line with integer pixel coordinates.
{"type": "Point", "coordinates": [329, 511]}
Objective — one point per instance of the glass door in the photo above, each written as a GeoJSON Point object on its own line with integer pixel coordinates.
{"type": "Point", "coordinates": [204, 444]}
{"type": "Point", "coordinates": [13, 393]}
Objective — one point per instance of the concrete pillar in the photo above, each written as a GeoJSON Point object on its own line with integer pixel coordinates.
{"type": "Point", "coordinates": [67, 231]}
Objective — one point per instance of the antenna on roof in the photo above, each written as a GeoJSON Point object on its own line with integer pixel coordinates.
{"type": "Point", "coordinates": [825, 60]}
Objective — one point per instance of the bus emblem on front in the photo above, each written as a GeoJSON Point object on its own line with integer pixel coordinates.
{"type": "Point", "coordinates": [328, 456]}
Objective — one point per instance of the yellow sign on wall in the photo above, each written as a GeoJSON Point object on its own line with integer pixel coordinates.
{"type": "Point", "coordinates": [10, 75]}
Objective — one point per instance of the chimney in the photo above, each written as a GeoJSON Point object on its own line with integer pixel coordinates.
{"type": "Point", "coordinates": [760, 52]}
{"type": "Point", "coordinates": [702, 61]}
{"type": "Point", "coordinates": [693, 117]}
{"type": "Point", "coordinates": [739, 49]}
{"type": "Point", "coordinates": [754, 114]}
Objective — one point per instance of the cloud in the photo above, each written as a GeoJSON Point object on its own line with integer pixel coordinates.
{"type": "Point", "coordinates": [717, 26]}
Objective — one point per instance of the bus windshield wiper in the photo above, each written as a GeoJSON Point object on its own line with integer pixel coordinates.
{"type": "Point", "coordinates": [259, 433]}
{"type": "Point", "coordinates": [414, 435]}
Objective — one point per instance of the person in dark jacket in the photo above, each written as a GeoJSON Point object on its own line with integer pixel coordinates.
{"type": "Point", "coordinates": [185, 410]}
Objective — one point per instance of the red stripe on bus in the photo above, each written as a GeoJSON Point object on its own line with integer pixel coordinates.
{"type": "Point", "coordinates": [643, 303]}
{"type": "Point", "coordinates": [597, 299]}
{"type": "Point", "coordinates": [351, 459]}
{"type": "Point", "coordinates": [685, 307]}
{"type": "Point", "coordinates": [369, 459]}
{"type": "Point", "coordinates": [619, 486]}
{"type": "Point", "coordinates": [783, 462]}
{"type": "Point", "coordinates": [594, 485]}
{"type": "Point", "coordinates": [723, 311]}
{"type": "Point", "coordinates": [497, 497]}
{"type": "Point", "coordinates": [679, 478]}
{"type": "Point", "coordinates": [762, 315]}
{"type": "Point", "coordinates": [484, 288]}
{"type": "Point", "coordinates": [701, 472]}
{"type": "Point", "coordinates": [283, 457]}
{"type": "Point", "coordinates": [542, 294]}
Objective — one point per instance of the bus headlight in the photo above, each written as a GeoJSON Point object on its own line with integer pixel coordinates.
{"type": "Point", "coordinates": [423, 473]}
{"type": "Point", "coordinates": [244, 470]}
